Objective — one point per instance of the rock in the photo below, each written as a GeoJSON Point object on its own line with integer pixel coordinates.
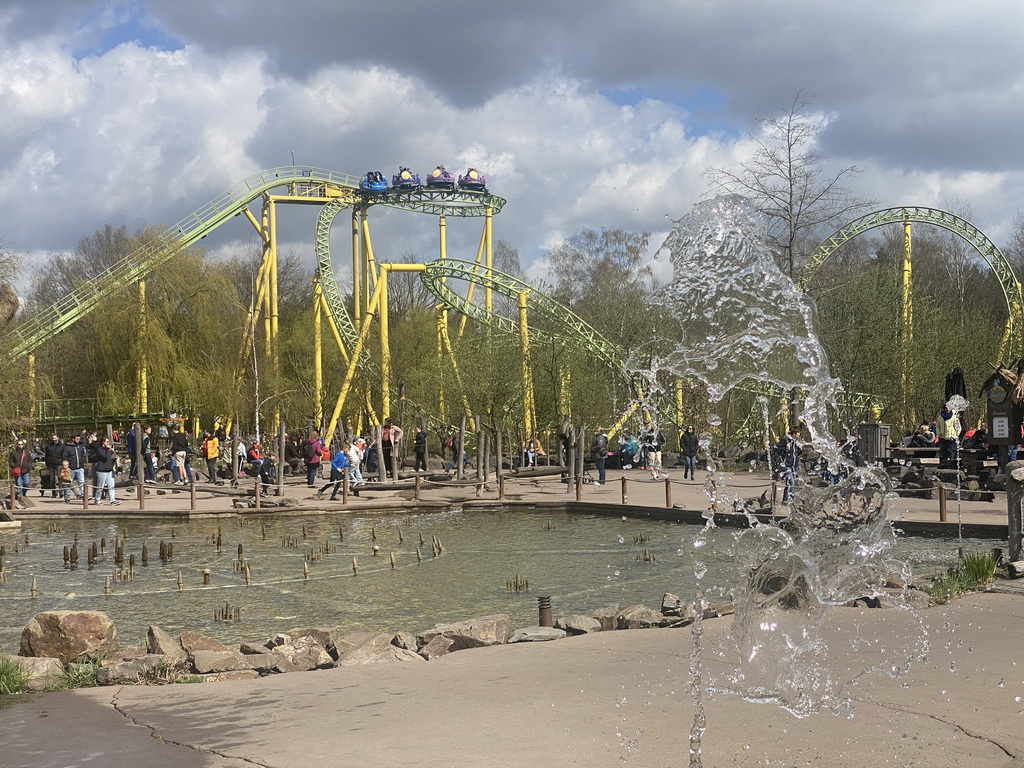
{"type": "Point", "coordinates": [197, 641]}
{"type": "Point", "coordinates": [69, 635]}
{"type": "Point", "coordinates": [578, 624]}
{"type": "Point", "coordinates": [472, 633]}
{"type": "Point", "coordinates": [536, 635]}
{"type": "Point", "coordinates": [40, 671]}
{"type": "Point", "coordinates": [279, 639]}
{"type": "Point", "coordinates": [160, 641]}
{"type": "Point", "coordinates": [638, 617]}
{"type": "Point", "coordinates": [326, 636]}
{"type": "Point", "coordinates": [607, 616]}
{"type": "Point", "coordinates": [253, 648]}
{"type": "Point", "coordinates": [376, 650]}
{"type": "Point", "coordinates": [437, 647]}
{"type": "Point", "coordinates": [148, 667]}
{"type": "Point", "coordinates": [220, 661]}
{"type": "Point", "coordinates": [404, 640]}
{"type": "Point", "coordinates": [235, 674]}
{"type": "Point", "coordinates": [671, 605]}
{"type": "Point", "coordinates": [132, 652]}
{"type": "Point", "coordinates": [303, 655]}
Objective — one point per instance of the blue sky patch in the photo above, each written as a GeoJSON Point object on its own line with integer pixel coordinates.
{"type": "Point", "coordinates": [110, 24]}
{"type": "Point", "coordinates": [703, 103]}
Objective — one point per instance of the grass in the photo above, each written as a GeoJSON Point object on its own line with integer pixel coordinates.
{"type": "Point", "coordinates": [971, 571]}
{"type": "Point", "coordinates": [12, 677]}
{"type": "Point", "coordinates": [79, 675]}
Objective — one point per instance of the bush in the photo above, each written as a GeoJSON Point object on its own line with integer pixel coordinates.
{"type": "Point", "coordinates": [973, 570]}
{"type": "Point", "coordinates": [12, 677]}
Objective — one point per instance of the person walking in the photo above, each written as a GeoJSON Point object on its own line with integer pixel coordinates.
{"type": "Point", "coordinates": [651, 442]}
{"type": "Point", "coordinates": [179, 450]}
{"type": "Point", "coordinates": [390, 436]}
{"type": "Point", "coordinates": [53, 455]}
{"type": "Point", "coordinates": [211, 452]}
{"type": "Point", "coordinates": [76, 456]}
{"type": "Point", "coordinates": [20, 463]}
{"type": "Point", "coordinates": [103, 470]}
{"type": "Point", "coordinates": [312, 452]}
{"type": "Point", "coordinates": [689, 446]}
{"type": "Point", "coordinates": [789, 451]}
{"type": "Point", "coordinates": [148, 457]}
{"type": "Point", "coordinates": [419, 447]}
{"type": "Point", "coordinates": [339, 466]}
{"type": "Point", "coordinates": [599, 453]}
{"type": "Point", "coordinates": [355, 460]}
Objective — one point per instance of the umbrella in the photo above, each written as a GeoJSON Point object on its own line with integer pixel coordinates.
{"type": "Point", "coordinates": [955, 384]}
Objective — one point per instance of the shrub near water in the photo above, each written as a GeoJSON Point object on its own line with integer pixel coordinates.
{"type": "Point", "coordinates": [973, 570]}
{"type": "Point", "coordinates": [12, 678]}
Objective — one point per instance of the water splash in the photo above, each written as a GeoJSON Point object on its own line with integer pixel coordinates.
{"type": "Point", "coordinates": [742, 323]}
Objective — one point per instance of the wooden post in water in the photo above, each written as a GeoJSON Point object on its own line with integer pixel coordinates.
{"type": "Point", "coordinates": [192, 496]}
{"type": "Point", "coordinates": [416, 492]}
{"type": "Point", "coordinates": [942, 503]}
{"type": "Point", "coordinates": [668, 493]}
{"type": "Point", "coordinates": [460, 448]}
{"type": "Point", "coordinates": [579, 487]}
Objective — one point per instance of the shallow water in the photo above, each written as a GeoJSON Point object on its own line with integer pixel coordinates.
{"type": "Point", "coordinates": [583, 562]}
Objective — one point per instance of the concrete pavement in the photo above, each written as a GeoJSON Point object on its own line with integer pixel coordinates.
{"type": "Point", "coordinates": [608, 699]}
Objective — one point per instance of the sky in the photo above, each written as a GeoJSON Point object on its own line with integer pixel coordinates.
{"type": "Point", "coordinates": [581, 113]}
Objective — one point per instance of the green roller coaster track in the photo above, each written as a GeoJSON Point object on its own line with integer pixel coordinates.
{"type": "Point", "coordinates": [48, 322]}
{"type": "Point", "coordinates": [944, 219]}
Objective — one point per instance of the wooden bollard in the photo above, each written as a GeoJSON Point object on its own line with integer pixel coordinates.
{"type": "Point", "coordinates": [344, 488]}
{"type": "Point", "coordinates": [103, 547]}
{"type": "Point", "coordinates": [259, 487]}
{"type": "Point", "coordinates": [668, 493]}
{"type": "Point", "coordinates": [501, 487]}
{"type": "Point", "coordinates": [219, 543]}
{"type": "Point", "coordinates": [145, 554]}
{"type": "Point", "coordinates": [579, 487]}
{"type": "Point", "coordinates": [14, 496]}
{"type": "Point", "coordinates": [942, 503]}
{"type": "Point", "coordinates": [85, 496]}
{"type": "Point", "coordinates": [181, 582]}
{"type": "Point", "coordinates": [305, 569]}
{"type": "Point", "coordinates": [416, 493]}
{"type": "Point", "coordinates": [355, 567]}
{"type": "Point", "coordinates": [263, 531]}
{"type": "Point", "coordinates": [240, 558]}
{"type": "Point", "coordinates": [131, 564]}
{"type": "Point", "coordinates": [192, 496]}
{"type": "Point", "coordinates": [248, 574]}
{"type": "Point", "coordinates": [206, 576]}
{"type": "Point", "coordinates": [625, 490]}
{"type": "Point", "coordinates": [106, 585]}
{"type": "Point", "coordinates": [34, 591]}
{"type": "Point", "coordinates": [393, 558]}
{"type": "Point", "coordinates": [399, 535]}
{"type": "Point", "coordinates": [422, 542]}
{"type": "Point", "coordinates": [373, 533]}
{"type": "Point", "coordinates": [141, 492]}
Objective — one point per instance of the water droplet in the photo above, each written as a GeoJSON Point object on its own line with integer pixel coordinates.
{"type": "Point", "coordinates": [699, 569]}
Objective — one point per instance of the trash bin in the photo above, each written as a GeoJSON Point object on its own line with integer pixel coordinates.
{"type": "Point", "coordinates": [873, 442]}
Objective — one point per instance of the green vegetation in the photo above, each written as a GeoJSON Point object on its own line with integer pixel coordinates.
{"type": "Point", "coordinates": [77, 675]}
{"type": "Point", "coordinates": [12, 677]}
{"type": "Point", "coordinates": [973, 570]}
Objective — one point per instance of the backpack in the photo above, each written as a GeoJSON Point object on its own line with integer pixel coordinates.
{"type": "Point", "coordinates": [307, 450]}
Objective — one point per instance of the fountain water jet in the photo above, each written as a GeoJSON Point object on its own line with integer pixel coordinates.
{"type": "Point", "coordinates": [741, 320]}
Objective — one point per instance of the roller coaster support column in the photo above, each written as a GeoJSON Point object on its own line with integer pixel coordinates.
{"type": "Point", "coordinates": [274, 343]}
{"type": "Point", "coordinates": [369, 266]}
{"type": "Point", "coordinates": [472, 285]}
{"type": "Point", "coordinates": [489, 263]}
{"type": "Point", "coordinates": [385, 344]}
{"type": "Point", "coordinates": [357, 313]}
{"type": "Point", "coordinates": [32, 384]}
{"type": "Point", "coordinates": [907, 325]}
{"type": "Point", "coordinates": [679, 414]}
{"type": "Point", "coordinates": [529, 412]}
{"type": "Point", "coordinates": [143, 388]}
{"type": "Point", "coordinates": [440, 317]}
{"type": "Point", "coordinates": [346, 384]}
{"type": "Point", "coordinates": [318, 358]}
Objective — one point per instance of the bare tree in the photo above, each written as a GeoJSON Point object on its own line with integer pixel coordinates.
{"type": "Point", "coordinates": [787, 179]}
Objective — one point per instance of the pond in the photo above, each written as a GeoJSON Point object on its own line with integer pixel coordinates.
{"type": "Point", "coordinates": [583, 562]}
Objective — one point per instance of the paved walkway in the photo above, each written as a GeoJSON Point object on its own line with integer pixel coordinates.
{"type": "Point", "coordinates": [609, 699]}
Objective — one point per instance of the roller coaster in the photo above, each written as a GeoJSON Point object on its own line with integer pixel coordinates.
{"type": "Point", "coordinates": [442, 196]}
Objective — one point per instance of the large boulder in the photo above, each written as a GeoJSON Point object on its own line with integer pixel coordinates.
{"type": "Point", "coordinates": [639, 617]}
{"type": "Point", "coordinates": [303, 655]}
{"type": "Point", "coordinates": [607, 616]}
{"type": "Point", "coordinates": [206, 662]}
{"type": "Point", "coordinates": [578, 624]}
{"type": "Point", "coordinates": [536, 635]}
{"type": "Point", "coordinates": [376, 649]}
{"type": "Point", "coordinates": [40, 672]}
{"type": "Point", "coordinates": [160, 641]}
{"type": "Point", "coordinates": [196, 641]}
{"type": "Point", "coordinates": [69, 635]}
{"type": "Point", "coordinates": [472, 633]}
{"type": "Point", "coordinates": [144, 668]}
